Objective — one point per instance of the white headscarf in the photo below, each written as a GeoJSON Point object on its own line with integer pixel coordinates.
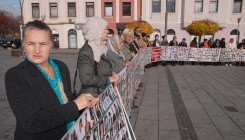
{"type": "Point", "coordinates": [92, 32]}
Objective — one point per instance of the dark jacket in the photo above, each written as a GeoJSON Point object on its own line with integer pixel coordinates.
{"type": "Point", "coordinates": [86, 64]}
{"type": "Point", "coordinates": [117, 61]}
{"type": "Point", "coordinates": [172, 43]}
{"type": "Point", "coordinates": [222, 44]}
{"type": "Point", "coordinates": [133, 46]}
{"type": "Point", "coordinates": [37, 109]}
{"type": "Point", "coordinates": [215, 45]}
{"type": "Point", "coordinates": [193, 44]}
{"type": "Point", "coordinates": [182, 44]}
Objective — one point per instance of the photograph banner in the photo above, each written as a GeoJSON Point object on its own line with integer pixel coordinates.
{"type": "Point", "coordinates": [105, 121]}
{"type": "Point", "coordinates": [235, 55]}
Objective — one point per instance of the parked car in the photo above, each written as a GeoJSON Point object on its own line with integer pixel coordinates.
{"type": "Point", "coordinates": [7, 43]}
{"type": "Point", "coordinates": [1, 39]}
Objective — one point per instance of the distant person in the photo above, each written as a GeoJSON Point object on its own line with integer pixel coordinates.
{"type": "Point", "coordinates": [182, 44]}
{"type": "Point", "coordinates": [193, 44]}
{"type": "Point", "coordinates": [216, 44]}
{"type": "Point", "coordinates": [222, 43]}
{"type": "Point", "coordinates": [164, 43]}
{"type": "Point", "coordinates": [174, 42]}
{"type": "Point", "coordinates": [41, 98]}
{"type": "Point", "coordinates": [156, 42]}
{"type": "Point", "coordinates": [138, 32]}
{"type": "Point", "coordinates": [210, 42]}
{"type": "Point", "coordinates": [231, 45]}
{"type": "Point", "coordinates": [148, 41]}
{"type": "Point", "coordinates": [241, 45]}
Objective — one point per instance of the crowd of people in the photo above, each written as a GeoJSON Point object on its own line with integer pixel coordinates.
{"type": "Point", "coordinates": [194, 44]}
{"type": "Point", "coordinates": [42, 100]}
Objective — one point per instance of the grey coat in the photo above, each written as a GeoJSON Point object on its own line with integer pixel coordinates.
{"type": "Point", "coordinates": [117, 61]}
{"type": "Point", "coordinates": [126, 52]}
{"type": "Point", "coordinates": [86, 64]}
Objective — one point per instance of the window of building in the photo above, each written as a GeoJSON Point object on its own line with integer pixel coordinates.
{"type": "Point", "coordinates": [71, 9]}
{"type": "Point", "coordinates": [198, 5]}
{"type": "Point", "coordinates": [170, 34]}
{"type": "Point", "coordinates": [237, 6]}
{"type": "Point", "coordinates": [108, 9]}
{"type": "Point", "coordinates": [171, 5]}
{"type": "Point", "coordinates": [89, 9]}
{"type": "Point", "coordinates": [156, 6]}
{"type": "Point", "coordinates": [35, 10]}
{"type": "Point", "coordinates": [53, 9]}
{"type": "Point", "coordinates": [126, 8]}
{"type": "Point", "coordinates": [213, 7]}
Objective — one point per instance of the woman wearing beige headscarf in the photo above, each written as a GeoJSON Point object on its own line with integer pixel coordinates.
{"type": "Point", "coordinates": [115, 54]}
{"type": "Point", "coordinates": [95, 69]}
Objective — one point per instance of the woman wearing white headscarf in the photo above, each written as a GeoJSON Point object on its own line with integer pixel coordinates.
{"type": "Point", "coordinates": [95, 69]}
{"type": "Point", "coordinates": [115, 54]}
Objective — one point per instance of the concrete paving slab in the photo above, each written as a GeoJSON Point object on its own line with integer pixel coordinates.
{"type": "Point", "coordinates": [207, 132]}
{"type": "Point", "coordinates": [150, 101]}
{"type": "Point", "coordinates": [169, 135]}
{"type": "Point", "coordinates": [148, 112]}
{"type": "Point", "coordinates": [227, 127]}
{"type": "Point", "coordinates": [233, 137]}
{"type": "Point", "coordinates": [168, 122]}
{"type": "Point", "coordinates": [166, 107]}
{"type": "Point", "coordinates": [146, 130]}
{"type": "Point", "coordinates": [214, 110]}
{"type": "Point", "coordinates": [198, 116]}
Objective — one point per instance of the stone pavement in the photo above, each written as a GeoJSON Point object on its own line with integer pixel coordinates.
{"type": "Point", "coordinates": [181, 102]}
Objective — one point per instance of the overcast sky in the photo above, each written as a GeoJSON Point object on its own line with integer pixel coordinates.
{"type": "Point", "coordinates": [12, 6]}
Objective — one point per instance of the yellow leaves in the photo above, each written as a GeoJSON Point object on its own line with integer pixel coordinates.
{"type": "Point", "coordinates": [145, 26]}
{"type": "Point", "coordinates": [202, 27]}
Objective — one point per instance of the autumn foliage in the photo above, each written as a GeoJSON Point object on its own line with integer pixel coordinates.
{"type": "Point", "coordinates": [145, 26]}
{"type": "Point", "coordinates": [202, 27]}
{"type": "Point", "coordinates": [6, 25]}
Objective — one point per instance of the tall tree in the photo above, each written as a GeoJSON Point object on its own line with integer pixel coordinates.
{"type": "Point", "coordinates": [6, 25]}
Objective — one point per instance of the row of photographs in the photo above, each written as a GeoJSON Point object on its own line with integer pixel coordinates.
{"type": "Point", "coordinates": [105, 121]}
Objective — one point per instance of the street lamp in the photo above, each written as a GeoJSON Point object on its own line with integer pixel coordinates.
{"type": "Point", "coordinates": [238, 21]}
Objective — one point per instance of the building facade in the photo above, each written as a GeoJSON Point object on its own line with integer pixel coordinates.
{"type": "Point", "coordinates": [182, 12]}
{"type": "Point", "coordinates": [66, 17]}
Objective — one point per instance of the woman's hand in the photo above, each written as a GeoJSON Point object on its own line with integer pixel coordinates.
{"type": "Point", "coordinates": [84, 100]}
{"type": "Point", "coordinates": [116, 75]}
{"type": "Point", "coordinates": [95, 101]}
{"type": "Point", "coordinates": [128, 64]}
{"type": "Point", "coordinates": [114, 79]}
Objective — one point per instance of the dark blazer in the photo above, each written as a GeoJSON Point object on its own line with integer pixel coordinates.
{"type": "Point", "coordinates": [172, 43]}
{"type": "Point", "coordinates": [38, 112]}
{"type": "Point", "coordinates": [183, 44]}
{"type": "Point", "coordinates": [86, 64]}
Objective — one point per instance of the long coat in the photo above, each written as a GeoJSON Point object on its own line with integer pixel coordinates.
{"type": "Point", "coordinates": [39, 114]}
{"type": "Point", "coordinates": [86, 64]}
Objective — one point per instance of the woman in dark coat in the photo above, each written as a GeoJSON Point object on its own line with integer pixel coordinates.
{"type": "Point", "coordinates": [193, 44]}
{"type": "Point", "coordinates": [41, 97]}
{"type": "Point", "coordinates": [95, 69]}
